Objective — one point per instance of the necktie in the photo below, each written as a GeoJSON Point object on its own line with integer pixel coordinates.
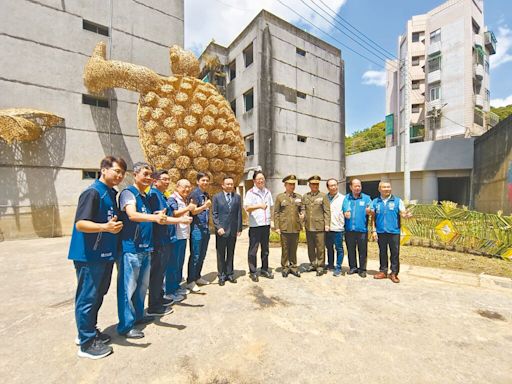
{"type": "Point", "coordinates": [228, 196]}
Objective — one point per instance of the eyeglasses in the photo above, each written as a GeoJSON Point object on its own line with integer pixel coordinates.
{"type": "Point", "coordinates": [117, 171]}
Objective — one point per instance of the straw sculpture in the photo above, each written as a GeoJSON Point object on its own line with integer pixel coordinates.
{"type": "Point", "coordinates": [23, 124]}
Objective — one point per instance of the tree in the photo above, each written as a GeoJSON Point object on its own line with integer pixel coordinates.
{"type": "Point", "coordinates": [367, 139]}
{"type": "Point", "coordinates": [503, 112]}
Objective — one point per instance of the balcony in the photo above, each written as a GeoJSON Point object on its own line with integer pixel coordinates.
{"type": "Point", "coordinates": [479, 71]}
{"type": "Point", "coordinates": [492, 119]}
{"type": "Point", "coordinates": [437, 104]}
{"type": "Point", "coordinates": [490, 42]}
{"type": "Point", "coordinates": [434, 48]}
{"type": "Point", "coordinates": [434, 76]}
{"type": "Point", "coordinates": [479, 101]}
{"type": "Point", "coordinates": [478, 40]}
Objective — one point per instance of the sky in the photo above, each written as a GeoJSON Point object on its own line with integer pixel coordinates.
{"type": "Point", "coordinates": [381, 21]}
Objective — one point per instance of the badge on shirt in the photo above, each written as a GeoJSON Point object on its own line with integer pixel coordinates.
{"type": "Point", "coordinates": [361, 203]}
{"type": "Point", "coordinates": [391, 206]}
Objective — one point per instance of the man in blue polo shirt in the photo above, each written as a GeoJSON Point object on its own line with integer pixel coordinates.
{"type": "Point", "coordinates": [93, 249]}
{"type": "Point", "coordinates": [164, 236]}
{"type": "Point", "coordinates": [387, 209]}
{"type": "Point", "coordinates": [356, 208]}
{"type": "Point", "coordinates": [137, 243]}
{"type": "Point", "coordinates": [200, 232]}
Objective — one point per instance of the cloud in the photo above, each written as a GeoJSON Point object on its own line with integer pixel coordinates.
{"type": "Point", "coordinates": [223, 20]}
{"type": "Point", "coordinates": [377, 78]}
{"type": "Point", "coordinates": [503, 47]}
{"type": "Point", "coordinates": [501, 102]}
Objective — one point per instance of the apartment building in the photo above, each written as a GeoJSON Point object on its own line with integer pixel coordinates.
{"type": "Point", "coordinates": [286, 88]}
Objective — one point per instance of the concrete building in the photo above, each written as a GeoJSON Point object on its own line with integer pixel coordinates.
{"type": "Point", "coordinates": [437, 89]}
{"type": "Point", "coordinates": [286, 88]}
{"type": "Point", "coordinates": [45, 45]}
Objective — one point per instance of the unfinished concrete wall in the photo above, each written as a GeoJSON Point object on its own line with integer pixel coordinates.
{"type": "Point", "coordinates": [492, 175]}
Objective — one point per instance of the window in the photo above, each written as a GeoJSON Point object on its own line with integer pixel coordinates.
{"type": "Point", "coordinates": [300, 52]}
{"type": "Point", "coordinates": [232, 70]}
{"type": "Point", "coordinates": [95, 101]}
{"type": "Point", "coordinates": [233, 106]}
{"type": "Point", "coordinates": [302, 95]}
{"type": "Point", "coordinates": [96, 28]}
{"type": "Point", "coordinates": [434, 63]}
{"type": "Point", "coordinates": [90, 174]}
{"type": "Point", "coordinates": [435, 91]}
{"type": "Point", "coordinates": [415, 108]}
{"type": "Point", "coordinates": [302, 139]}
{"type": "Point", "coordinates": [487, 95]}
{"type": "Point", "coordinates": [249, 100]}
{"type": "Point", "coordinates": [415, 37]}
{"type": "Point", "coordinates": [416, 84]}
{"type": "Point", "coordinates": [248, 56]}
{"type": "Point", "coordinates": [486, 65]}
{"type": "Point", "coordinates": [249, 145]}
{"type": "Point", "coordinates": [476, 27]}
{"type": "Point", "coordinates": [220, 80]}
{"type": "Point", "coordinates": [479, 55]}
{"type": "Point", "coordinates": [415, 61]}
{"type": "Point", "coordinates": [479, 117]}
{"type": "Point", "coordinates": [435, 36]}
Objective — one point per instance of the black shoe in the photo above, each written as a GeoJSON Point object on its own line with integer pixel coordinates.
{"type": "Point", "coordinates": [254, 277]}
{"type": "Point", "coordinates": [295, 273]}
{"type": "Point", "coordinates": [162, 311]}
{"type": "Point", "coordinates": [167, 302]}
{"type": "Point", "coordinates": [232, 280]}
{"type": "Point", "coordinates": [94, 350]}
{"type": "Point", "coordinates": [134, 334]}
{"type": "Point", "coordinates": [222, 282]}
{"type": "Point", "coordinates": [320, 272]}
{"type": "Point", "coordinates": [352, 271]}
{"type": "Point", "coordinates": [103, 337]}
{"type": "Point", "coordinates": [267, 274]}
{"type": "Point", "coordinates": [285, 274]}
{"type": "Point", "coordinates": [329, 267]}
{"type": "Point", "coordinates": [362, 274]}
{"type": "Point", "coordinates": [145, 320]}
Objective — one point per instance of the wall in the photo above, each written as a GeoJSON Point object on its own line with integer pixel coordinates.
{"type": "Point", "coordinates": [492, 177]}
{"type": "Point", "coordinates": [44, 51]}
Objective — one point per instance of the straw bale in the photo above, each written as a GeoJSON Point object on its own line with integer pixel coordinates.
{"type": "Point", "coordinates": [181, 97]}
{"type": "Point", "coordinates": [174, 150]}
{"type": "Point", "coordinates": [167, 89]}
{"type": "Point", "coordinates": [199, 97]}
{"type": "Point", "coordinates": [163, 138]}
{"type": "Point", "coordinates": [177, 110]}
{"type": "Point", "coordinates": [216, 136]}
{"type": "Point", "coordinates": [225, 150]}
{"type": "Point", "coordinates": [201, 164]}
{"type": "Point", "coordinates": [190, 122]}
{"type": "Point", "coordinates": [158, 114]}
{"type": "Point", "coordinates": [216, 165]}
{"type": "Point", "coordinates": [193, 149]}
{"type": "Point", "coordinates": [170, 123]}
{"type": "Point", "coordinates": [229, 165]}
{"type": "Point", "coordinates": [190, 175]}
{"type": "Point", "coordinates": [181, 135]}
{"type": "Point", "coordinates": [196, 109]}
{"type": "Point", "coordinates": [164, 103]}
{"type": "Point", "coordinates": [183, 162]}
{"type": "Point", "coordinates": [210, 150]}
{"type": "Point", "coordinates": [211, 110]}
{"type": "Point", "coordinates": [174, 174]}
{"type": "Point", "coordinates": [151, 98]}
{"type": "Point", "coordinates": [201, 135]}
{"type": "Point", "coordinates": [145, 113]}
{"type": "Point", "coordinates": [208, 122]}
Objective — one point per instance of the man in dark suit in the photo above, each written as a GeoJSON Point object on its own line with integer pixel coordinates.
{"type": "Point", "coordinates": [227, 219]}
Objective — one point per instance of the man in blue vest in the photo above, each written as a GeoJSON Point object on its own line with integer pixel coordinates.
{"type": "Point", "coordinates": [356, 208]}
{"type": "Point", "coordinates": [387, 210]}
{"type": "Point", "coordinates": [164, 236]}
{"type": "Point", "coordinates": [93, 249]}
{"type": "Point", "coordinates": [137, 243]}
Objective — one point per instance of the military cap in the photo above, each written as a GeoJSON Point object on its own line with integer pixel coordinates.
{"type": "Point", "coordinates": [290, 179]}
{"type": "Point", "coordinates": [314, 179]}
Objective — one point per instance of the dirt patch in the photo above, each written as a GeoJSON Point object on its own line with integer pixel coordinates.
{"type": "Point", "coordinates": [491, 315]}
{"type": "Point", "coordinates": [265, 301]}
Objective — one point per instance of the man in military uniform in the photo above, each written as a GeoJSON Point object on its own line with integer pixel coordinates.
{"type": "Point", "coordinates": [288, 211]}
{"type": "Point", "coordinates": [317, 220]}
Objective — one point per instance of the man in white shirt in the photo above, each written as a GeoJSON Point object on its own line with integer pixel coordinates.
{"type": "Point", "coordinates": [334, 238]}
{"type": "Point", "coordinates": [258, 203]}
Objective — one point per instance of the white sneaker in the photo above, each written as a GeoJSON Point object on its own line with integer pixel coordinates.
{"type": "Point", "coordinates": [176, 297]}
{"type": "Point", "coordinates": [183, 291]}
{"type": "Point", "coordinates": [202, 281]}
{"type": "Point", "coordinates": [193, 287]}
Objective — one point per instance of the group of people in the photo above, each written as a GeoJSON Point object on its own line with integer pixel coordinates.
{"type": "Point", "coordinates": [145, 232]}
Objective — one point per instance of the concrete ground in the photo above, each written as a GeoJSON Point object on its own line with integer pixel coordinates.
{"type": "Point", "coordinates": [436, 326]}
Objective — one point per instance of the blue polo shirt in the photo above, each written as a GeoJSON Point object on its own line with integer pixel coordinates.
{"type": "Point", "coordinates": [358, 221]}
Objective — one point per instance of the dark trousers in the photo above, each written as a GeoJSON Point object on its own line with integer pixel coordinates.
{"type": "Point", "coordinates": [289, 243]}
{"type": "Point", "coordinates": [258, 236]}
{"type": "Point", "coordinates": [159, 260]}
{"type": "Point", "coordinates": [93, 282]}
{"type": "Point", "coordinates": [225, 255]}
{"type": "Point", "coordinates": [391, 241]}
{"type": "Point", "coordinates": [357, 240]}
